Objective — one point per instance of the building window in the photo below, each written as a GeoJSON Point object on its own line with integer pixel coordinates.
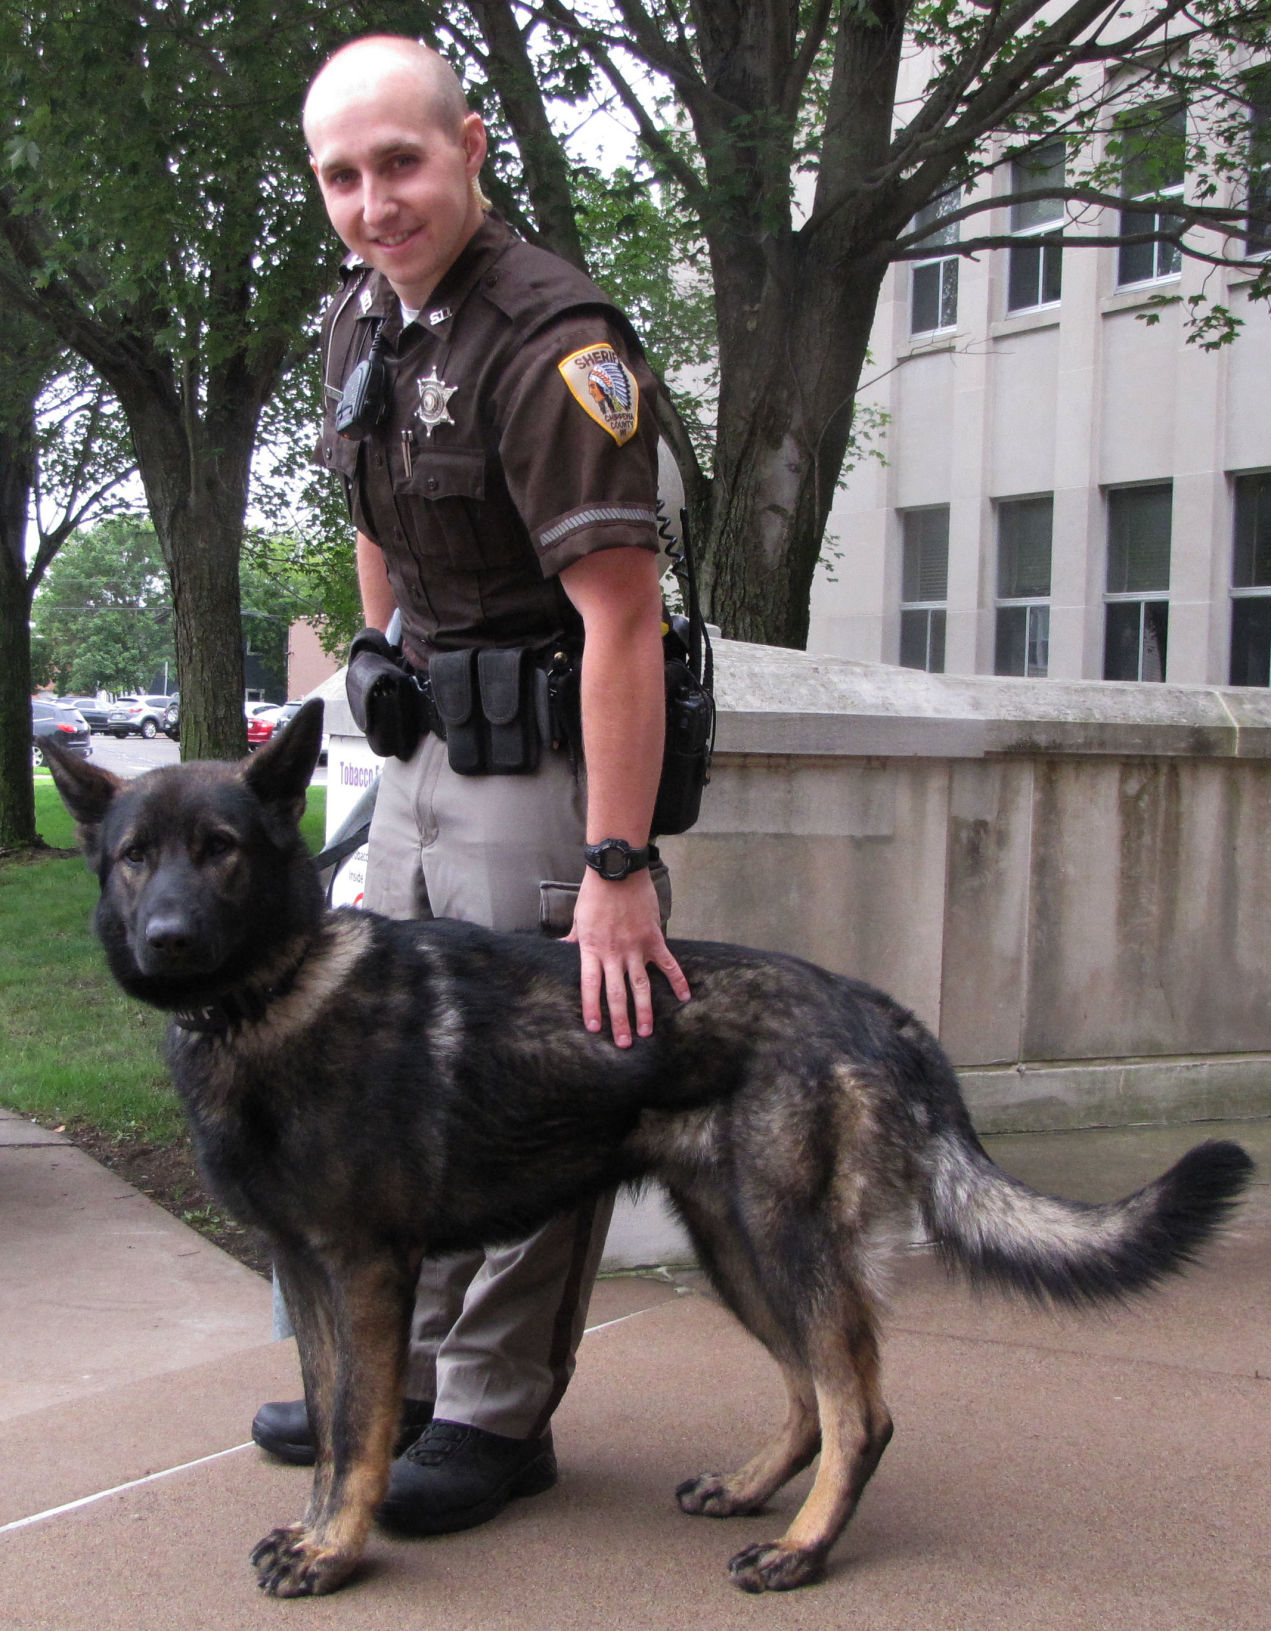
{"type": "Point", "coordinates": [1136, 628]}
{"type": "Point", "coordinates": [1251, 582]}
{"type": "Point", "coordinates": [1258, 232]}
{"type": "Point", "coordinates": [1022, 644]}
{"type": "Point", "coordinates": [1154, 165]}
{"type": "Point", "coordinates": [1036, 264]}
{"type": "Point", "coordinates": [933, 303]}
{"type": "Point", "coordinates": [924, 588]}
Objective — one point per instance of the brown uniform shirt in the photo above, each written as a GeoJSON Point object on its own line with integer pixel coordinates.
{"type": "Point", "coordinates": [521, 437]}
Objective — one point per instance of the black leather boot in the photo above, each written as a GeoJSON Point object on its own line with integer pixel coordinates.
{"type": "Point", "coordinates": [455, 1477]}
{"type": "Point", "coordinates": [283, 1429]}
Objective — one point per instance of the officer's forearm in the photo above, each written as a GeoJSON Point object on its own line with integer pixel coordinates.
{"type": "Point", "coordinates": [623, 722]}
{"type": "Point", "coordinates": [623, 706]}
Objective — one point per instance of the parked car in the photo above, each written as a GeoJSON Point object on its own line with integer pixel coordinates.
{"type": "Point", "coordinates": [171, 725]}
{"type": "Point", "coordinates": [262, 725]}
{"type": "Point", "coordinates": [93, 711]}
{"type": "Point", "coordinates": [270, 721]}
{"type": "Point", "coordinates": [141, 716]}
{"type": "Point", "coordinates": [65, 725]}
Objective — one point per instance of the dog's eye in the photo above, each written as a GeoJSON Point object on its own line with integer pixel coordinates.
{"type": "Point", "coordinates": [134, 854]}
{"type": "Point", "coordinates": [217, 844]}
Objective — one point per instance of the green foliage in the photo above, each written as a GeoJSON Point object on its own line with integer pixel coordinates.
{"type": "Point", "coordinates": [308, 538]}
{"type": "Point", "coordinates": [138, 129]}
{"type": "Point", "coordinates": [646, 251]}
{"type": "Point", "coordinates": [102, 620]}
{"type": "Point", "coordinates": [280, 584]}
{"type": "Point", "coordinates": [103, 615]}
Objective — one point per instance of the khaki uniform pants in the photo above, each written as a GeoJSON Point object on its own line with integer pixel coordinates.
{"type": "Point", "coordinates": [494, 1333]}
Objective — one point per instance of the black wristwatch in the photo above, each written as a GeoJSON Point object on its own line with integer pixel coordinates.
{"type": "Point", "coordinates": [614, 858]}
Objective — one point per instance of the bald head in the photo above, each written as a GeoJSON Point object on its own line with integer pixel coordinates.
{"type": "Point", "coordinates": [397, 156]}
{"type": "Point", "coordinates": [368, 70]}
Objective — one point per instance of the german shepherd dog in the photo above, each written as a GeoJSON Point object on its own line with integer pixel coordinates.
{"type": "Point", "coordinates": [368, 1091]}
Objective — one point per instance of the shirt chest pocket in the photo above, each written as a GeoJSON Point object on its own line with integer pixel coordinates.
{"type": "Point", "coordinates": [438, 474]}
{"type": "Point", "coordinates": [445, 505]}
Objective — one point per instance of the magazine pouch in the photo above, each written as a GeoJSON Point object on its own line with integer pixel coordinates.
{"type": "Point", "coordinates": [493, 710]}
{"type": "Point", "coordinates": [452, 680]}
{"type": "Point", "coordinates": [509, 683]}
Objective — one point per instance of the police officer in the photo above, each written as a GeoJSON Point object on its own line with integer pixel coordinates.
{"type": "Point", "coordinates": [506, 499]}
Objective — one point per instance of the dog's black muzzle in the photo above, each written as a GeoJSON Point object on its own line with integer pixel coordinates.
{"type": "Point", "coordinates": [170, 935]}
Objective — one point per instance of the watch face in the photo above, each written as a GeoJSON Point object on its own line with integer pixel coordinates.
{"type": "Point", "coordinates": [611, 858]}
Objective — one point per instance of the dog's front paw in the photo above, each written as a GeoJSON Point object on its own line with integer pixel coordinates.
{"type": "Point", "coordinates": [770, 1566]}
{"type": "Point", "coordinates": [290, 1563]}
{"type": "Point", "coordinates": [709, 1496]}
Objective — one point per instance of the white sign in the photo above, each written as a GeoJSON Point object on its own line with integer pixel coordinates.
{"type": "Point", "coordinates": [351, 768]}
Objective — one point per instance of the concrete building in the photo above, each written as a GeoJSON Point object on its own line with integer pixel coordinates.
{"type": "Point", "coordinates": [1068, 490]}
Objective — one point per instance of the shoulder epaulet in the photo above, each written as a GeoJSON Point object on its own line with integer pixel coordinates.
{"type": "Point", "coordinates": [532, 286]}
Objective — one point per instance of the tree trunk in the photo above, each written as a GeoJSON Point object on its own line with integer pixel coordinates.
{"type": "Point", "coordinates": [794, 305]}
{"type": "Point", "coordinates": [195, 475]}
{"type": "Point", "coordinates": [17, 793]}
{"type": "Point", "coordinates": [791, 352]}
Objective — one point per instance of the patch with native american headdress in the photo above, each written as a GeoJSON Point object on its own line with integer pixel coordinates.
{"type": "Point", "coordinates": [605, 388]}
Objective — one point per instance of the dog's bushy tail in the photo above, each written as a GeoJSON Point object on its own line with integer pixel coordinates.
{"type": "Point", "coordinates": [997, 1231]}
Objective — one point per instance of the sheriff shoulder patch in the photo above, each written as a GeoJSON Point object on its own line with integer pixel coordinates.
{"type": "Point", "coordinates": [605, 388]}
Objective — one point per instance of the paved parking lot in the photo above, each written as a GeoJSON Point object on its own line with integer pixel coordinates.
{"type": "Point", "coordinates": [132, 755]}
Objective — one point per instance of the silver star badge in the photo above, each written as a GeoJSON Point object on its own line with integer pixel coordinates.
{"type": "Point", "coordinates": [434, 400]}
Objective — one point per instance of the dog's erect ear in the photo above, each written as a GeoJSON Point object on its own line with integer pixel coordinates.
{"type": "Point", "coordinates": [279, 773]}
{"type": "Point", "coordinates": [86, 792]}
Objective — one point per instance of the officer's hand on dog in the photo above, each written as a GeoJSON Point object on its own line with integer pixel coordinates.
{"type": "Point", "coordinates": [619, 934]}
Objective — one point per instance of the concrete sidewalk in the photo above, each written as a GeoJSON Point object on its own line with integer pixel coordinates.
{"type": "Point", "coordinates": [1057, 1472]}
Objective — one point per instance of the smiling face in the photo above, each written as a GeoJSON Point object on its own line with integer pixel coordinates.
{"type": "Point", "coordinates": [396, 158]}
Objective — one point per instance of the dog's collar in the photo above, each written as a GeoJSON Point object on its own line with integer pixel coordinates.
{"type": "Point", "coordinates": [237, 1008]}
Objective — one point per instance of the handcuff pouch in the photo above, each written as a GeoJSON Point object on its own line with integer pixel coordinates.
{"type": "Point", "coordinates": [383, 696]}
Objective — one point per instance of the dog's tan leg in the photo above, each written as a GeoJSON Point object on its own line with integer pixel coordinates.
{"type": "Point", "coordinates": [353, 1387]}
{"type": "Point", "coordinates": [855, 1430]}
{"type": "Point", "coordinates": [734, 1268]}
{"type": "Point", "coordinates": [724, 1496]}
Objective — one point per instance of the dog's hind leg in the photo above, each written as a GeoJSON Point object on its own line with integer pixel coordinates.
{"type": "Point", "coordinates": [353, 1324]}
{"type": "Point", "coordinates": [734, 1268]}
{"type": "Point", "coordinates": [855, 1430]}
{"type": "Point", "coordinates": [795, 1445]}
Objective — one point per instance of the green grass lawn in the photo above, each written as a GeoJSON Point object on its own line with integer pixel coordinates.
{"type": "Point", "coordinates": [73, 1049]}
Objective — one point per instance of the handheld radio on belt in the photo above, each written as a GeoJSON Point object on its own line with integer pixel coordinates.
{"type": "Point", "coordinates": [690, 700]}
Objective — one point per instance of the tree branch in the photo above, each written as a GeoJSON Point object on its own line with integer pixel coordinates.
{"type": "Point", "coordinates": [655, 142]}
{"type": "Point", "coordinates": [805, 57]}
{"type": "Point", "coordinates": [1227, 219]}
{"type": "Point", "coordinates": [546, 172]}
